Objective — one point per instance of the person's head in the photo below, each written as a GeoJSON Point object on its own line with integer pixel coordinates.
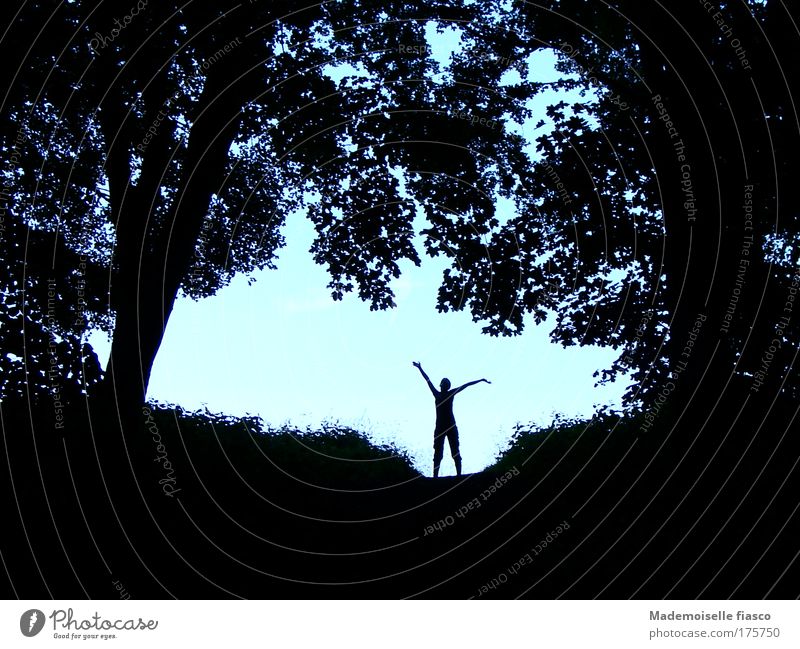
{"type": "Point", "coordinates": [445, 384]}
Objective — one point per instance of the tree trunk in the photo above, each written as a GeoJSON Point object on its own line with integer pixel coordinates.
{"type": "Point", "coordinates": [151, 268]}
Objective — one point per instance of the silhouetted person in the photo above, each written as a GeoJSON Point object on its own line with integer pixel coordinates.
{"type": "Point", "coordinates": [445, 421]}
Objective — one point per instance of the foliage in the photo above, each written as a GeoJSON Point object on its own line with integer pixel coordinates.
{"type": "Point", "coordinates": [334, 455]}
{"type": "Point", "coordinates": [176, 152]}
{"type": "Point", "coordinates": [539, 448]}
{"type": "Point", "coordinates": [50, 300]}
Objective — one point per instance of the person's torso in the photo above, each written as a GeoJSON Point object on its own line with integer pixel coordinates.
{"type": "Point", "coordinates": [444, 409]}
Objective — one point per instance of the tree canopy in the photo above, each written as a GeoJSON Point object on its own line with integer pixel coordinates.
{"type": "Point", "coordinates": [168, 148]}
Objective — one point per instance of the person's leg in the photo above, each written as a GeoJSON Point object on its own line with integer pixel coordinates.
{"type": "Point", "coordinates": [452, 438]}
{"type": "Point", "coordinates": [438, 452]}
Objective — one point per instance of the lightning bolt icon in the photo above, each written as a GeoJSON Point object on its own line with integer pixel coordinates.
{"type": "Point", "coordinates": [33, 619]}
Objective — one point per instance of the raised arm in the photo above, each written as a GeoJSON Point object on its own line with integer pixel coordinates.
{"type": "Point", "coordinates": [425, 376]}
{"type": "Point", "coordinates": [466, 385]}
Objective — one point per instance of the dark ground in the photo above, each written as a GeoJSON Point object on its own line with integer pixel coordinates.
{"type": "Point", "coordinates": [245, 525]}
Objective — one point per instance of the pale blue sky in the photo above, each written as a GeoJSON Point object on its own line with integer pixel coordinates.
{"type": "Point", "coordinates": [284, 350]}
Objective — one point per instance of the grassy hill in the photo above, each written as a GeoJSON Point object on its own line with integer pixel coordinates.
{"type": "Point", "coordinates": [196, 505]}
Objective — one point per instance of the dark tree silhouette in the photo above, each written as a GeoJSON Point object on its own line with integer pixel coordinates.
{"type": "Point", "coordinates": [50, 301]}
{"type": "Point", "coordinates": [206, 138]}
{"type": "Point", "coordinates": [713, 165]}
{"type": "Point", "coordinates": [153, 155]}
{"type": "Point", "coordinates": [175, 147]}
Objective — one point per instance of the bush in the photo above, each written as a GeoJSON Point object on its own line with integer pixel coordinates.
{"type": "Point", "coordinates": [336, 455]}
{"type": "Point", "coordinates": [536, 445]}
